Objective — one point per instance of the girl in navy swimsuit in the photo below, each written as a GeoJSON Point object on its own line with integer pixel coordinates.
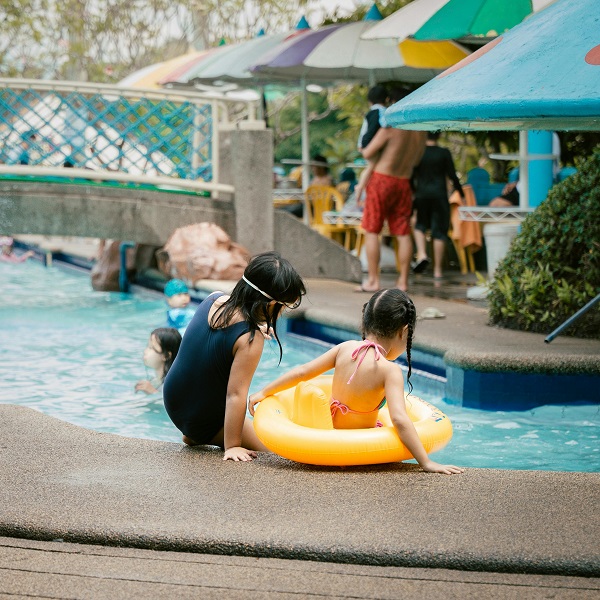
{"type": "Point", "coordinates": [206, 389]}
{"type": "Point", "coordinates": [362, 383]}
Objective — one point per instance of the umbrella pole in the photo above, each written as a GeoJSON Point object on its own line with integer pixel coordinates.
{"type": "Point", "coordinates": [523, 170]}
{"type": "Point", "coordinates": [305, 141]}
{"type": "Point", "coordinates": [260, 112]}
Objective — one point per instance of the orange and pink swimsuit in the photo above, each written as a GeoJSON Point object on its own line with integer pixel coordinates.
{"type": "Point", "coordinates": [335, 405]}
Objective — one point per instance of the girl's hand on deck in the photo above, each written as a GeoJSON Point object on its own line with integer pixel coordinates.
{"type": "Point", "coordinates": [239, 454]}
{"type": "Point", "coordinates": [433, 467]}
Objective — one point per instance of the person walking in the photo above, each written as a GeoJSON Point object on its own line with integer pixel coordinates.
{"type": "Point", "coordinates": [430, 182]}
{"type": "Point", "coordinates": [394, 152]}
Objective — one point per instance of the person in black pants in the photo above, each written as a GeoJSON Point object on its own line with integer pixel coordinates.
{"type": "Point", "coordinates": [429, 181]}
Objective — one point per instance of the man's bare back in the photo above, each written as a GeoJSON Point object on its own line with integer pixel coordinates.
{"type": "Point", "coordinates": [396, 151]}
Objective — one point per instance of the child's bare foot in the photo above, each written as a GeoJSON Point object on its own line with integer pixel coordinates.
{"type": "Point", "coordinates": [370, 286]}
{"type": "Point", "coordinates": [402, 284]}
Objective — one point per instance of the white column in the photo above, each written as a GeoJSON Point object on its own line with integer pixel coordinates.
{"type": "Point", "coordinates": [523, 170]}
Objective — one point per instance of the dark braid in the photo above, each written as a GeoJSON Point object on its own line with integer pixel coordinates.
{"type": "Point", "coordinates": [412, 314]}
{"type": "Point", "coordinates": [385, 314]}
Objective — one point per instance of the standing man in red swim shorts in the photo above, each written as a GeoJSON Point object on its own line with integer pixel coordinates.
{"type": "Point", "coordinates": [389, 196]}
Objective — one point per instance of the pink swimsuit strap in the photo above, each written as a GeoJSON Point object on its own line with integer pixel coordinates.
{"type": "Point", "coordinates": [364, 348]}
{"type": "Point", "coordinates": [335, 405]}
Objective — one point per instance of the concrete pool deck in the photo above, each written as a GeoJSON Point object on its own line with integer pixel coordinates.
{"type": "Point", "coordinates": [65, 483]}
{"type": "Point", "coordinates": [486, 533]}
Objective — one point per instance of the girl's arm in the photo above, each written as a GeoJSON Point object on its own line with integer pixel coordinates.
{"type": "Point", "coordinates": [394, 393]}
{"type": "Point", "coordinates": [295, 376]}
{"type": "Point", "coordinates": [246, 358]}
{"type": "Point", "coordinates": [13, 258]}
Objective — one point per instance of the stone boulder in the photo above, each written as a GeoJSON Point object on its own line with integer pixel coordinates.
{"type": "Point", "coordinates": [202, 251]}
{"type": "Point", "coordinates": [105, 272]}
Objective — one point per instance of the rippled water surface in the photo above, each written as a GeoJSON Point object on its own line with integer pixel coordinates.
{"type": "Point", "coordinates": [76, 354]}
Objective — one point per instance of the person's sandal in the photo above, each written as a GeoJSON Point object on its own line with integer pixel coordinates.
{"type": "Point", "coordinates": [421, 265]}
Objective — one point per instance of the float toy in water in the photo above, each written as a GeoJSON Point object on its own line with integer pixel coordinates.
{"type": "Point", "coordinates": [297, 424]}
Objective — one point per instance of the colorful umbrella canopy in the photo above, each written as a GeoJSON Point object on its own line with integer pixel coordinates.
{"type": "Point", "coordinates": [231, 63]}
{"type": "Point", "coordinates": [543, 74]}
{"type": "Point", "coordinates": [466, 20]}
{"type": "Point", "coordinates": [337, 53]}
{"type": "Point", "coordinates": [151, 76]}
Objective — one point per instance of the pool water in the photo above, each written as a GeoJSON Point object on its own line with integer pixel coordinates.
{"type": "Point", "coordinates": [76, 354]}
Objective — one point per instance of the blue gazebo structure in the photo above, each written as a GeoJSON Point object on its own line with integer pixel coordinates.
{"type": "Point", "coordinates": [544, 74]}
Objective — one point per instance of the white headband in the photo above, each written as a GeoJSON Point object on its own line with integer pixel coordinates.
{"type": "Point", "coordinates": [258, 289]}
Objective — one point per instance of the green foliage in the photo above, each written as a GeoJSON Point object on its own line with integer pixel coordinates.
{"type": "Point", "coordinates": [324, 123]}
{"type": "Point", "coordinates": [574, 144]}
{"type": "Point", "coordinates": [553, 266]}
{"type": "Point", "coordinates": [386, 9]}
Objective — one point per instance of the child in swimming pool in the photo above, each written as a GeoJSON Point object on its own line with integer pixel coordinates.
{"type": "Point", "coordinates": [159, 355]}
{"type": "Point", "coordinates": [179, 313]}
{"type": "Point", "coordinates": [362, 383]}
{"type": "Point", "coordinates": [7, 251]}
{"type": "Point", "coordinates": [206, 389]}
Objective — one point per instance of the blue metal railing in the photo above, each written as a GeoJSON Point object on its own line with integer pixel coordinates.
{"type": "Point", "coordinates": [133, 134]}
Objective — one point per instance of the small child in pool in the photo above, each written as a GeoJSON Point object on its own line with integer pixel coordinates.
{"type": "Point", "coordinates": [159, 355]}
{"type": "Point", "coordinates": [7, 251]}
{"type": "Point", "coordinates": [179, 313]}
{"type": "Point", "coordinates": [362, 383]}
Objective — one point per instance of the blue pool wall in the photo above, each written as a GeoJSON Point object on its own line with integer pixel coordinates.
{"type": "Point", "coordinates": [471, 388]}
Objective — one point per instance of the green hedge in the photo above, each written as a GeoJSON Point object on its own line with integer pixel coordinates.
{"type": "Point", "coordinates": [553, 266]}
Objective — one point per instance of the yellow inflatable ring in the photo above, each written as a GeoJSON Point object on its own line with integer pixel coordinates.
{"type": "Point", "coordinates": [296, 424]}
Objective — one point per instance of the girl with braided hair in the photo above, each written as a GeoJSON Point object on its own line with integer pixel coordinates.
{"type": "Point", "coordinates": [362, 383]}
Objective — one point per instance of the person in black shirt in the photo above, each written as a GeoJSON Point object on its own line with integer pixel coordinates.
{"type": "Point", "coordinates": [429, 181]}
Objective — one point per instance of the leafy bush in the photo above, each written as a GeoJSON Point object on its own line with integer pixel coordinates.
{"type": "Point", "coordinates": [553, 266]}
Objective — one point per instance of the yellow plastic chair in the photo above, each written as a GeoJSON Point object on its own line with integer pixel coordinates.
{"type": "Point", "coordinates": [321, 199]}
{"type": "Point", "coordinates": [344, 189]}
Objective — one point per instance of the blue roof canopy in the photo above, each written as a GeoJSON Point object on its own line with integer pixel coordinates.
{"type": "Point", "coordinates": [542, 74]}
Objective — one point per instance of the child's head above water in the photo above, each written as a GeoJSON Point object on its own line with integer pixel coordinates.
{"type": "Point", "coordinates": [386, 314]}
{"type": "Point", "coordinates": [6, 244]}
{"type": "Point", "coordinates": [177, 293]}
{"type": "Point", "coordinates": [162, 349]}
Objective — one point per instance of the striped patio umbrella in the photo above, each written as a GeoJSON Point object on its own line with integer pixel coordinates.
{"type": "Point", "coordinates": [231, 64]}
{"type": "Point", "coordinates": [150, 77]}
{"type": "Point", "coordinates": [474, 21]}
{"type": "Point", "coordinates": [338, 53]}
{"type": "Point", "coordinates": [154, 76]}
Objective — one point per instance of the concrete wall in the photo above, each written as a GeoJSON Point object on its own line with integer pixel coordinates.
{"type": "Point", "coordinates": [150, 217]}
{"type": "Point", "coordinates": [147, 217]}
{"type": "Point", "coordinates": [312, 254]}
{"type": "Point", "coordinates": [252, 171]}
